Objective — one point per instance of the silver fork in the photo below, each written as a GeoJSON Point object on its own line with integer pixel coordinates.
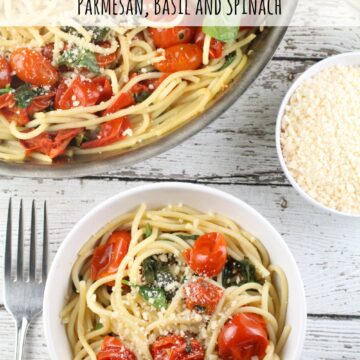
{"type": "Point", "coordinates": [23, 297]}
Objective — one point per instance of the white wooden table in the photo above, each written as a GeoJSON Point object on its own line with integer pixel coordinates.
{"type": "Point", "coordinates": [236, 154]}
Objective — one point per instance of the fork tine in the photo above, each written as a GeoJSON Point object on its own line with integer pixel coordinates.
{"type": "Point", "coordinates": [45, 247]}
{"type": "Point", "coordinates": [20, 249]}
{"type": "Point", "coordinates": [7, 265]}
{"type": "Point", "coordinates": [32, 266]}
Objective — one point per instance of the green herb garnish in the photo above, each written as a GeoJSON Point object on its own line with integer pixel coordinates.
{"type": "Point", "coordinates": [154, 296]}
{"type": "Point", "coordinates": [148, 230]}
{"type": "Point", "coordinates": [98, 326]}
{"type": "Point", "coordinates": [98, 33]}
{"type": "Point", "coordinates": [222, 33]}
{"type": "Point", "coordinates": [6, 90]}
{"type": "Point", "coordinates": [25, 94]}
{"type": "Point", "coordinates": [79, 58]}
{"type": "Point", "coordinates": [149, 267]}
{"type": "Point", "coordinates": [237, 273]}
{"type": "Point", "coordinates": [188, 348]}
{"type": "Point", "coordinates": [228, 60]}
{"type": "Point", "coordinates": [141, 96]}
{"type": "Point", "coordinates": [187, 237]}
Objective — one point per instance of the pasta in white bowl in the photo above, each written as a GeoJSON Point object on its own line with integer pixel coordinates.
{"type": "Point", "coordinates": [140, 287]}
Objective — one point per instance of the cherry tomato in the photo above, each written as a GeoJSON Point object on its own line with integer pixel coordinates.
{"type": "Point", "coordinates": [107, 257]}
{"type": "Point", "coordinates": [180, 57]}
{"type": "Point", "coordinates": [48, 51]}
{"type": "Point", "coordinates": [243, 337]}
{"type": "Point", "coordinates": [208, 256]}
{"type": "Point", "coordinates": [110, 132]}
{"type": "Point", "coordinates": [83, 93]}
{"type": "Point", "coordinates": [32, 67]}
{"type": "Point", "coordinates": [113, 349]}
{"type": "Point", "coordinates": [124, 100]}
{"type": "Point", "coordinates": [40, 103]}
{"type": "Point", "coordinates": [16, 114]}
{"type": "Point", "coordinates": [173, 347]}
{"type": "Point", "coordinates": [50, 144]}
{"type": "Point", "coordinates": [153, 84]}
{"type": "Point", "coordinates": [216, 46]}
{"type": "Point", "coordinates": [7, 100]}
{"type": "Point", "coordinates": [164, 38]}
{"type": "Point", "coordinates": [202, 296]}
{"type": "Point", "coordinates": [106, 60]}
{"type": "Point", "coordinates": [5, 73]}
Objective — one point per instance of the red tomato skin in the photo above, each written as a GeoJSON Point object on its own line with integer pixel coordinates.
{"type": "Point", "coordinates": [113, 349]}
{"type": "Point", "coordinates": [107, 257]}
{"type": "Point", "coordinates": [40, 103]}
{"type": "Point", "coordinates": [5, 73]}
{"type": "Point", "coordinates": [6, 100]}
{"type": "Point", "coordinates": [208, 256]}
{"type": "Point", "coordinates": [202, 296]}
{"type": "Point", "coordinates": [52, 145]}
{"type": "Point", "coordinates": [32, 67]}
{"type": "Point", "coordinates": [174, 347]}
{"type": "Point", "coordinates": [165, 38]}
{"type": "Point", "coordinates": [216, 46]}
{"type": "Point", "coordinates": [179, 58]}
{"type": "Point", "coordinates": [243, 337]}
{"type": "Point", "coordinates": [48, 51]}
{"type": "Point", "coordinates": [106, 60]}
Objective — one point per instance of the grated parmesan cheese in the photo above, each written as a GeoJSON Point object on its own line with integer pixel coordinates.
{"type": "Point", "coordinates": [320, 137]}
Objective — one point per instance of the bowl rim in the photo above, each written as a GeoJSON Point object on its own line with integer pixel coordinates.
{"type": "Point", "coordinates": [227, 197]}
{"type": "Point", "coordinates": [307, 74]}
{"type": "Point", "coordinates": [67, 170]}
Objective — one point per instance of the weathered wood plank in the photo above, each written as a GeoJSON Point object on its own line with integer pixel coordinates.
{"type": "Point", "coordinates": [327, 248]}
{"type": "Point", "coordinates": [326, 339]}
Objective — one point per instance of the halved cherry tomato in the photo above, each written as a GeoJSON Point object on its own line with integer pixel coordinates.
{"type": "Point", "coordinates": [110, 132]}
{"type": "Point", "coordinates": [202, 296]}
{"type": "Point", "coordinates": [7, 100]}
{"type": "Point", "coordinates": [106, 60]}
{"type": "Point", "coordinates": [124, 100]}
{"type": "Point", "coordinates": [216, 46]}
{"type": "Point", "coordinates": [40, 103]}
{"type": "Point", "coordinates": [243, 337]}
{"type": "Point", "coordinates": [173, 347]}
{"type": "Point", "coordinates": [107, 257]}
{"type": "Point", "coordinates": [32, 67]}
{"type": "Point", "coordinates": [208, 256]}
{"type": "Point", "coordinates": [113, 349]}
{"type": "Point", "coordinates": [164, 38]}
{"type": "Point", "coordinates": [83, 93]}
{"type": "Point", "coordinates": [179, 58]}
{"type": "Point", "coordinates": [16, 114]}
{"type": "Point", "coordinates": [5, 73]}
{"type": "Point", "coordinates": [153, 84]}
{"type": "Point", "coordinates": [51, 144]}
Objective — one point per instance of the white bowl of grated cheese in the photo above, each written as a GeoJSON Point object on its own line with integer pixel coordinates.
{"type": "Point", "coordinates": [318, 132]}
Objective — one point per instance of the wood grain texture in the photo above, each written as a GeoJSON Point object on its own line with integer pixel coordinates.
{"type": "Point", "coordinates": [326, 339]}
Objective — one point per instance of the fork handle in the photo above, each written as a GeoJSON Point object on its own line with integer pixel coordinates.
{"type": "Point", "coordinates": [22, 327]}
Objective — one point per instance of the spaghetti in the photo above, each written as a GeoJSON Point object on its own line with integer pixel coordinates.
{"type": "Point", "coordinates": [74, 92]}
{"type": "Point", "coordinates": [141, 290]}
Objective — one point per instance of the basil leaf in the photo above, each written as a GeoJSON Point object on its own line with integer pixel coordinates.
{"type": "Point", "coordinates": [141, 96]}
{"type": "Point", "coordinates": [154, 296]}
{"type": "Point", "coordinates": [228, 60]}
{"type": "Point", "coordinates": [221, 33]}
{"type": "Point", "coordinates": [149, 269]}
{"type": "Point", "coordinates": [188, 348]}
{"type": "Point", "coordinates": [6, 90]}
{"type": "Point", "coordinates": [148, 230]}
{"type": "Point", "coordinates": [24, 95]}
{"type": "Point", "coordinates": [187, 237]}
{"type": "Point", "coordinates": [237, 273]}
{"type": "Point", "coordinates": [79, 58]}
{"type": "Point", "coordinates": [98, 326]}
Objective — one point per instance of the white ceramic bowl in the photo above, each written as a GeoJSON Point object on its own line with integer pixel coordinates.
{"type": "Point", "coordinates": [347, 59]}
{"type": "Point", "coordinates": [155, 195]}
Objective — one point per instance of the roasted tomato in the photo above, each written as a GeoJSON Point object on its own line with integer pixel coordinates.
{"type": "Point", "coordinates": [40, 103]}
{"type": "Point", "coordinates": [164, 38]}
{"type": "Point", "coordinates": [208, 256]}
{"type": "Point", "coordinates": [180, 57]}
{"type": "Point", "coordinates": [173, 347]}
{"type": "Point", "coordinates": [110, 132]}
{"type": "Point", "coordinates": [5, 73]}
{"type": "Point", "coordinates": [83, 93]}
{"type": "Point", "coordinates": [32, 67]}
{"type": "Point", "coordinates": [113, 349]}
{"type": "Point", "coordinates": [202, 296]}
{"type": "Point", "coordinates": [50, 144]}
{"type": "Point", "coordinates": [17, 115]}
{"type": "Point", "coordinates": [243, 338]}
{"type": "Point", "coordinates": [6, 100]}
{"type": "Point", "coordinates": [107, 257]}
{"type": "Point", "coordinates": [48, 51]}
{"type": "Point", "coordinates": [216, 46]}
{"type": "Point", "coordinates": [106, 60]}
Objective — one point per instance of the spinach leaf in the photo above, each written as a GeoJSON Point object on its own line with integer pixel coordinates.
{"type": "Point", "coordinates": [148, 230]}
{"type": "Point", "coordinates": [6, 90]}
{"type": "Point", "coordinates": [98, 326]}
{"type": "Point", "coordinates": [141, 96]}
{"type": "Point", "coordinates": [149, 269]}
{"type": "Point", "coordinates": [228, 60]}
{"type": "Point", "coordinates": [24, 95]}
{"type": "Point", "coordinates": [221, 33]}
{"type": "Point", "coordinates": [188, 348]}
{"type": "Point", "coordinates": [237, 273]}
{"type": "Point", "coordinates": [187, 237]}
{"type": "Point", "coordinates": [154, 296]}
{"type": "Point", "coordinates": [79, 58]}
